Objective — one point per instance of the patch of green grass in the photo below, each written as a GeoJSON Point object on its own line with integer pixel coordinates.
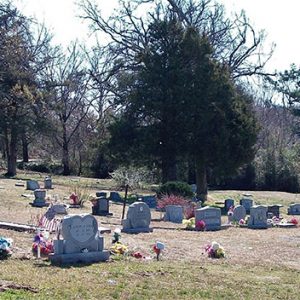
{"type": "Point", "coordinates": [133, 279]}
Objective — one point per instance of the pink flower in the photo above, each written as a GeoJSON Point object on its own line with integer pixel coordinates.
{"type": "Point", "coordinates": [242, 222]}
{"type": "Point", "coordinates": [200, 225]}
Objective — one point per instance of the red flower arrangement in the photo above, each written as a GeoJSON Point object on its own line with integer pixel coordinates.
{"type": "Point", "coordinates": [41, 246]}
{"type": "Point", "coordinates": [293, 221]}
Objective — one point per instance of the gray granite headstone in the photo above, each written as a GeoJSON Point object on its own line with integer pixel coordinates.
{"type": "Point", "coordinates": [194, 188]}
{"type": "Point", "coordinates": [48, 183]}
{"type": "Point", "coordinates": [239, 212]}
{"type": "Point", "coordinates": [228, 203]}
{"type": "Point", "coordinates": [40, 198]}
{"type": "Point", "coordinates": [81, 241]}
{"type": "Point", "coordinates": [150, 200]}
{"type": "Point", "coordinates": [138, 218]}
{"type": "Point", "coordinates": [32, 185]}
{"type": "Point", "coordinates": [174, 213]}
{"type": "Point", "coordinates": [274, 210]}
{"type": "Point", "coordinates": [211, 217]}
{"type": "Point", "coordinates": [115, 196]}
{"type": "Point", "coordinates": [101, 194]}
{"type": "Point", "coordinates": [247, 203]}
{"type": "Point", "coordinates": [258, 217]}
{"type": "Point", "coordinates": [294, 209]}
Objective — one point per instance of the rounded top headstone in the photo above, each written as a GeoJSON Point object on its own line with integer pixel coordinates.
{"type": "Point", "coordinates": [79, 229]}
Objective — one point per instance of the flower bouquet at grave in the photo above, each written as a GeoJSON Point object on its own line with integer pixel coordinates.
{"type": "Point", "coordinates": [294, 221]}
{"type": "Point", "coordinates": [200, 225]}
{"type": "Point", "coordinates": [118, 249]}
{"type": "Point", "coordinates": [158, 248]}
{"type": "Point", "coordinates": [189, 223]}
{"type": "Point", "coordinates": [214, 250]}
{"type": "Point", "coordinates": [42, 246]}
{"type": "Point", "coordinates": [5, 247]}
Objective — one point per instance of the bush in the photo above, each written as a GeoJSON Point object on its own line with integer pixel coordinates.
{"type": "Point", "coordinates": [176, 188]}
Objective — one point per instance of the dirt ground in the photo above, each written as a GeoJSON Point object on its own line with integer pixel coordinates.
{"type": "Point", "coordinates": [243, 246]}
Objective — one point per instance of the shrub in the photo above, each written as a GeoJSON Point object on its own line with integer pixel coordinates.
{"type": "Point", "coordinates": [176, 188]}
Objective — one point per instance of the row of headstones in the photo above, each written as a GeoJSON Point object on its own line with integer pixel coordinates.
{"type": "Point", "coordinates": [293, 209]}
{"type": "Point", "coordinates": [101, 202]}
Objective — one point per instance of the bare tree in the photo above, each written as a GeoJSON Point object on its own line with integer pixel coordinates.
{"type": "Point", "coordinates": [69, 98]}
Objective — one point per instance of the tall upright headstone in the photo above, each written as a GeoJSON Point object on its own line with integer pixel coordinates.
{"type": "Point", "coordinates": [258, 217]}
{"type": "Point", "coordinates": [174, 213]}
{"type": "Point", "coordinates": [48, 183]}
{"type": "Point", "coordinates": [138, 218]}
{"type": "Point", "coordinates": [40, 198]}
{"type": "Point", "coordinates": [247, 203]}
{"type": "Point", "coordinates": [211, 217]}
{"type": "Point", "coordinates": [239, 213]}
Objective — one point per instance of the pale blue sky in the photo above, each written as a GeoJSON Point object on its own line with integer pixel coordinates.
{"type": "Point", "coordinates": [279, 19]}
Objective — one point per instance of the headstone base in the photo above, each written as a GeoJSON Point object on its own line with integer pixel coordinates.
{"type": "Point", "coordinates": [103, 214]}
{"type": "Point", "coordinates": [286, 225]}
{"type": "Point", "coordinates": [39, 204]}
{"type": "Point", "coordinates": [258, 226]}
{"type": "Point", "coordinates": [74, 206]}
{"type": "Point", "coordinates": [212, 228]}
{"type": "Point", "coordinates": [89, 257]}
{"type": "Point", "coordinates": [137, 230]}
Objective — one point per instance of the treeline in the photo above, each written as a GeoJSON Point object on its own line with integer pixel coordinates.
{"type": "Point", "coordinates": [167, 96]}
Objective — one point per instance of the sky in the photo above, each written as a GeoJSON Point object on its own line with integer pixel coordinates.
{"type": "Point", "coordinates": [279, 19]}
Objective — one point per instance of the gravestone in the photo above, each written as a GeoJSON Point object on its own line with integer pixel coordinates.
{"type": "Point", "coordinates": [228, 203]}
{"type": "Point", "coordinates": [258, 217]}
{"type": "Point", "coordinates": [48, 183]}
{"type": "Point", "coordinates": [32, 185]}
{"type": "Point", "coordinates": [239, 212]}
{"type": "Point", "coordinates": [247, 203]}
{"type": "Point", "coordinates": [174, 213]}
{"type": "Point", "coordinates": [101, 207]}
{"type": "Point", "coordinates": [101, 194]}
{"type": "Point", "coordinates": [115, 196]}
{"type": "Point", "coordinates": [81, 241]}
{"type": "Point", "coordinates": [274, 210]}
{"type": "Point", "coordinates": [211, 217]}
{"type": "Point", "coordinates": [294, 209]}
{"type": "Point", "coordinates": [149, 200]}
{"type": "Point", "coordinates": [194, 188]}
{"type": "Point", "coordinates": [138, 218]}
{"type": "Point", "coordinates": [40, 198]}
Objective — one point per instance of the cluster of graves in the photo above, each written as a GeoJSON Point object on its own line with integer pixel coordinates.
{"type": "Point", "coordinates": [79, 238]}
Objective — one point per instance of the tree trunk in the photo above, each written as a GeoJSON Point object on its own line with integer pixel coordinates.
{"type": "Point", "coordinates": [11, 152]}
{"type": "Point", "coordinates": [65, 158]}
{"type": "Point", "coordinates": [169, 170]}
{"type": "Point", "coordinates": [201, 181]}
{"type": "Point", "coordinates": [25, 147]}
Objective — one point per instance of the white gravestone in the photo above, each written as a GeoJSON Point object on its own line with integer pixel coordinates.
{"type": "Point", "coordinates": [211, 217]}
{"type": "Point", "coordinates": [174, 213]}
{"type": "Point", "coordinates": [81, 243]}
{"type": "Point", "coordinates": [258, 217]}
{"type": "Point", "coordinates": [294, 209]}
{"type": "Point", "coordinates": [138, 218]}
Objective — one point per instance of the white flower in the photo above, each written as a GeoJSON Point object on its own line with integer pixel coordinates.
{"type": "Point", "coordinates": [117, 230]}
{"type": "Point", "coordinates": [215, 246]}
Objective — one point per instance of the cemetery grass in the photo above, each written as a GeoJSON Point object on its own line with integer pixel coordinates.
{"type": "Point", "coordinates": [262, 264]}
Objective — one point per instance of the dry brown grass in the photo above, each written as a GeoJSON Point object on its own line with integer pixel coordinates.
{"type": "Point", "coordinates": [266, 260]}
